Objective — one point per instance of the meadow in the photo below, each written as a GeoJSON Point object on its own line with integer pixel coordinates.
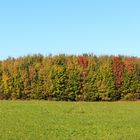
{"type": "Point", "coordinates": [47, 120]}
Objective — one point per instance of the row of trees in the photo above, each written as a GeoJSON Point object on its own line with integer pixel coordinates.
{"type": "Point", "coordinates": [74, 78]}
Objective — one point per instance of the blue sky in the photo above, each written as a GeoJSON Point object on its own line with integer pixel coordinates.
{"type": "Point", "coordinates": [69, 26]}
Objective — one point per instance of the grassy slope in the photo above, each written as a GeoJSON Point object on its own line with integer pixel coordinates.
{"type": "Point", "coordinates": [36, 120]}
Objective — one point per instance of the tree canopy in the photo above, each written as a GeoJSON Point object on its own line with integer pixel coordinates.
{"type": "Point", "coordinates": [70, 78]}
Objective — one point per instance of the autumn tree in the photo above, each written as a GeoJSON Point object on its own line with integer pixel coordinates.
{"type": "Point", "coordinates": [117, 69]}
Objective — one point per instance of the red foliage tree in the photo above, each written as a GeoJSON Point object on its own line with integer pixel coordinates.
{"type": "Point", "coordinates": [117, 67]}
{"type": "Point", "coordinates": [83, 61]}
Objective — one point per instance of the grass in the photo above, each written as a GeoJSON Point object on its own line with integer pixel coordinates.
{"type": "Point", "coordinates": [43, 120]}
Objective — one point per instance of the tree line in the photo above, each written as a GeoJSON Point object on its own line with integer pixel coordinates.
{"type": "Point", "coordinates": [85, 77]}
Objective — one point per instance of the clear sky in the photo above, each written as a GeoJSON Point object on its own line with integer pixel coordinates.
{"type": "Point", "coordinates": [69, 26]}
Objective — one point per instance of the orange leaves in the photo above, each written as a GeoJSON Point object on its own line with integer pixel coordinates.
{"type": "Point", "coordinates": [5, 77]}
{"type": "Point", "coordinates": [129, 64]}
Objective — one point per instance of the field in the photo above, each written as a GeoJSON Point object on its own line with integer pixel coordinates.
{"type": "Point", "coordinates": [43, 120]}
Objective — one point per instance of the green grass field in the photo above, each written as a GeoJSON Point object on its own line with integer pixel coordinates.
{"type": "Point", "coordinates": [43, 120]}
